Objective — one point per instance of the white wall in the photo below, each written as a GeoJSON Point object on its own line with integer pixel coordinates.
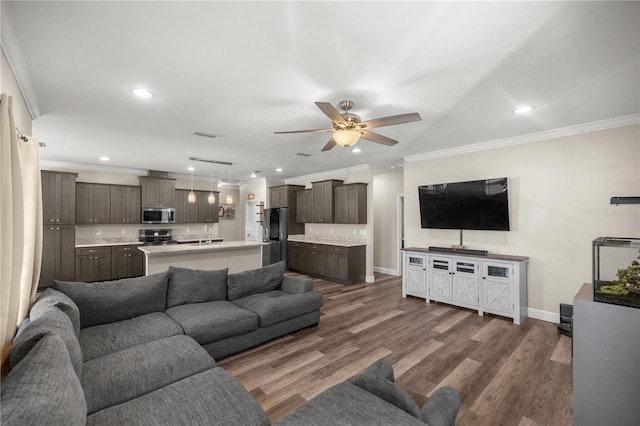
{"type": "Point", "coordinates": [9, 85]}
{"type": "Point", "coordinates": [258, 187]}
{"type": "Point", "coordinates": [559, 192]}
{"type": "Point", "coordinates": [386, 188]}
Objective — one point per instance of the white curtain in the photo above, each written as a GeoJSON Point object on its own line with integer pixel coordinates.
{"type": "Point", "coordinates": [20, 224]}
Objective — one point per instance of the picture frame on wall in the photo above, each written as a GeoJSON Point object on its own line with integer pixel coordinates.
{"type": "Point", "coordinates": [227, 211]}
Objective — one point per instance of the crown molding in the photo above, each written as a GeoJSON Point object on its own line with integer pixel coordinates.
{"type": "Point", "coordinates": [611, 123]}
{"type": "Point", "coordinates": [15, 59]}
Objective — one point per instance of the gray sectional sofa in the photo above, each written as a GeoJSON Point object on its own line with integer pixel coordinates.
{"type": "Point", "coordinates": [142, 351]}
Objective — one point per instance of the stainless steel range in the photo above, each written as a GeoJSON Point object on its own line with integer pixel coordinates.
{"type": "Point", "coordinates": [156, 237]}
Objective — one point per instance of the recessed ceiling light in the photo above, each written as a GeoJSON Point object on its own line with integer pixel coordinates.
{"type": "Point", "coordinates": [523, 109]}
{"type": "Point", "coordinates": [142, 93]}
{"type": "Point", "coordinates": [104, 158]}
{"type": "Point", "coordinates": [278, 169]}
{"type": "Point", "coordinates": [356, 150]}
{"type": "Point", "coordinates": [190, 168]}
{"type": "Point", "coordinates": [253, 175]}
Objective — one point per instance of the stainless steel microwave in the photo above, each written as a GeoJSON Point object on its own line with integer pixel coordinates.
{"type": "Point", "coordinates": [158, 215]}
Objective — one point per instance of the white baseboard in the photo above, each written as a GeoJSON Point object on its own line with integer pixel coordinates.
{"type": "Point", "coordinates": [543, 315]}
{"type": "Point", "coordinates": [370, 279]}
{"type": "Point", "coordinates": [386, 271]}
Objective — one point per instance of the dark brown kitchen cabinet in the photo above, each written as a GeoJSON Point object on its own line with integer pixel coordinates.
{"type": "Point", "coordinates": [58, 245]}
{"type": "Point", "coordinates": [323, 200]}
{"type": "Point", "coordinates": [93, 264]}
{"type": "Point", "coordinates": [284, 196]}
{"type": "Point", "coordinates": [296, 255]}
{"type": "Point", "coordinates": [157, 192]}
{"type": "Point", "coordinates": [125, 204]}
{"type": "Point", "coordinates": [207, 213]}
{"type": "Point", "coordinates": [304, 206]}
{"type": "Point", "coordinates": [58, 198]}
{"type": "Point", "coordinates": [345, 265]}
{"type": "Point", "coordinates": [126, 262]}
{"type": "Point", "coordinates": [93, 204]}
{"type": "Point", "coordinates": [315, 259]}
{"type": "Point", "coordinates": [351, 203]}
{"type": "Point", "coordinates": [186, 212]}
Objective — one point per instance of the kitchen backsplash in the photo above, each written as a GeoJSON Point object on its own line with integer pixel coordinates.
{"type": "Point", "coordinates": [130, 232]}
{"type": "Point", "coordinates": [335, 231]}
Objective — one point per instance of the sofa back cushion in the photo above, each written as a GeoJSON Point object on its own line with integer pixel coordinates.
{"type": "Point", "coordinates": [110, 301]}
{"type": "Point", "coordinates": [195, 286]}
{"type": "Point", "coordinates": [43, 388]}
{"type": "Point", "coordinates": [50, 321]}
{"type": "Point", "coordinates": [255, 281]}
{"type": "Point", "coordinates": [51, 297]}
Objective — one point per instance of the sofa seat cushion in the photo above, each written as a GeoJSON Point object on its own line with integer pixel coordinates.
{"type": "Point", "coordinates": [211, 321]}
{"type": "Point", "coordinates": [104, 339]}
{"type": "Point", "coordinates": [49, 321]}
{"type": "Point", "coordinates": [195, 286]}
{"type": "Point", "coordinates": [344, 402]}
{"type": "Point", "coordinates": [132, 372]}
{"type": "Point", "coordinates": [108, 301]}
{"type": "Point", "coordinates": [43, 388]}
{"type": "Point", "coordinates": [212, 397]}
{"type": "Point", "coordinates": [277, 306]}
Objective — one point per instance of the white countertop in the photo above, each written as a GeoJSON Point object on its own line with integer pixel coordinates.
{"type": "Point", "coordinates": [330, 241]}
{"type": "Point", "coordinates": [97, 242]}
{"type": "Point", "coordinates": [195, 247]}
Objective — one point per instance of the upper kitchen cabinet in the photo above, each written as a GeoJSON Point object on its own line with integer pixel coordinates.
{"type": "Point", "coordinates": [93, 203]}
{"type": "Point", "coordinates": [125, 204]}
{"type": "Point", "coordinates": [58, 198]}
{"type": "Point", "coordinates": [157, 192]}
{"type": "Point", "coordinates": [304, 206]}
{"type": "Point", "coordinates": [284, 196]}
{"type": "Point", "coordinates": [207, 213]}
{"type": "Point", "coordinates": [351, 203]}
{"type": "Point", "coordinates": [186, 212]}
{"type": "Point", "coordinates": [323, 200]}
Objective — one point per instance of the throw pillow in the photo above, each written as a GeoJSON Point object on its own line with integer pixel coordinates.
{"type": "Point", "coordinates": [256, 281]}
{"type": "Point", "coordinates": [51, 321]}
{"type": "Point", "coordinates": [195, 286]}
{"type": "Point", "coordinates": [109, 301]}
{"type": "Point", "coordinates": [388, 391]}
{"type": "Point", "coordinates": [51, 297]}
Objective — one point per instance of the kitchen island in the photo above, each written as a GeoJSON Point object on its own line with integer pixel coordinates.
{"type": "Point", "coordinates": [238, 256]}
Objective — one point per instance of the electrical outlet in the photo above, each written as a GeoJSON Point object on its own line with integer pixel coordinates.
{"type": "Point", "coordinates": [331, 230]}
{"type": "Point", "coordinates": [188, 230]}
{"type": "Point", "coordinates": [355, 232]}
{"type": "Point", "coordinates": [123, 231]}
{"type": "Point", "coordinates": [98, 232]}
{"type": "Point", "coordinates": [363, 232]}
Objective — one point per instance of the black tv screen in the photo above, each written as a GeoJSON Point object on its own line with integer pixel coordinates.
{"type": "Point", "coordinates": [478, 205]}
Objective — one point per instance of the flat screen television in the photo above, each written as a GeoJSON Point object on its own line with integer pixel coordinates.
{"type": "Point", "coordinates": [478, 205]}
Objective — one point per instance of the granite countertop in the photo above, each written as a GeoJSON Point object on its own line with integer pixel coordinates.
{"type": "Point", "coordinates": [97, 242]}
{"type": "Point", "coordinates": [191, 248]}
{"type": "Point", "coordinates": [331, 241]}
{"type": "Point", "coordinates": [195, 238]}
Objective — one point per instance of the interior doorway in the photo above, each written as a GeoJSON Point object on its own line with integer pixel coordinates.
{"type": "Point", "coordinates": [251, 225]}
{"type": "Point", "coordinates": [400, 230]}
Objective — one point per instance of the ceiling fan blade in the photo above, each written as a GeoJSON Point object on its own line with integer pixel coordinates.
{"type": "Point", "coordinates": [374, 137]}
{"type": "Point", "coordinates": [304, 131]}
{"type": "Point", "coordinates": [390, 121]}
{"type": "Point", "coordinates": [330, 112]}
{"type": "Point", "coordinates": [329, 145]}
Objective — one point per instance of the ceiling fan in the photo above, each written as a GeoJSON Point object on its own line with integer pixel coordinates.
{"type": "Point", "coordinates": [348, 128]}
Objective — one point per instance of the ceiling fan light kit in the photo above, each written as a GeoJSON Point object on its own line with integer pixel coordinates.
{"type": "Point", "coordinates": [348, 128]}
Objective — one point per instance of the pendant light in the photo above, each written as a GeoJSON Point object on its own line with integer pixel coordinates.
{"type": "Point", "coordinates": [229, 197]}
{"type": "Point", "coordinates": [192, 195]}
{"type": "Point", "coordinates": [212, 198]}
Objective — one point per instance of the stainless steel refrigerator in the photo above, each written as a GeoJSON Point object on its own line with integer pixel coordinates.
{"type": "Point", "coordinates": [275, 235]}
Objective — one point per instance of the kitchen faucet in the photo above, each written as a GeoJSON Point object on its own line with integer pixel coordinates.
{"type": "Point", "coordinates": [209, 229]}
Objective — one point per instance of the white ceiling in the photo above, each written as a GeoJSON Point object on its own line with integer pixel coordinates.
{"type": "Point", "coordinates": [243, 70]}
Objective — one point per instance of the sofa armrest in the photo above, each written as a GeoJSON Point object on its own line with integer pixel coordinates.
{"type": "Point", "coordinates": [442, 408]}
{"type": "Point", "coordinates": [296, 285]}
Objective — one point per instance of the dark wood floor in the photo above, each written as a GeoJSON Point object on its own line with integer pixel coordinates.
{"type": "Point", "coordinates": [507, 374]}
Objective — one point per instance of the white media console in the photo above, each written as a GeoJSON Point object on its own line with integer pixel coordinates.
{"type": "Point", "coordinates": [495, 284]}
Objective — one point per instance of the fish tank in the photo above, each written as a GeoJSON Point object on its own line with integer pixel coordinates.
{"type": "Point", "coordinates": [616, 271]}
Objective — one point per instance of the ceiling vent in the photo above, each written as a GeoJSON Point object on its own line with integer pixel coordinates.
{"type": "Point", "coordinates": [226, 163]}
{"type": "Point", "coordinates": [206, 135]}
{"type": "Point", "coordinates": [302, 154]}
